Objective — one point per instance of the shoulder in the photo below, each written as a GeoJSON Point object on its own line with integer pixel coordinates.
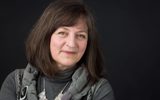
{"type": "Point", "coordinates": [102, 90]}
{"type": "Point", "coordinates": [102, 82]}
{"type": "Point", "coordinates": [8, 88]}
{"type": "Point", "coordinates": [10, 80]}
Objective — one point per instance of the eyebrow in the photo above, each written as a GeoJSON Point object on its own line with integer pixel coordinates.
{"type": "Point", "coordinates": [65, 28]}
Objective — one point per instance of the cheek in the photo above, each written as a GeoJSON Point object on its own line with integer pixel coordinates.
{"type": "Point", "coordinates": [54, 45]}
{"type": "Point", "coordinates": [82, 47]}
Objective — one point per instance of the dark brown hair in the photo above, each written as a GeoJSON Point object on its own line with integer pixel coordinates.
{"type": "Point", "coordinates": [57, 14]}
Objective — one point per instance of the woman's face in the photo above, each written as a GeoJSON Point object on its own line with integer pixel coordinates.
{"type": "Point", "coordinates": [68, 44]}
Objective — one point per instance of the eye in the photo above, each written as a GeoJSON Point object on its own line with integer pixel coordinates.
{"type": "Point", "coordinates": [81, 36]}
{"type": "Point", "coordinates": [62, 34]}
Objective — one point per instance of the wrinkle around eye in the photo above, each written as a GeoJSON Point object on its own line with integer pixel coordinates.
{"type": "Point", "coordinates": [62, 34]}
{"type": "Point", "coordinates": [81, 37]}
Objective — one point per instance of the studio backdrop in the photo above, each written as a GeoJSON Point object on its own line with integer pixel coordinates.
{"type": "Point", "coordinates": [129, 38]}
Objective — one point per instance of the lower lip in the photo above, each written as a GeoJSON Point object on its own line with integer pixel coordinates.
{"type": "Point", "coordinates": [69, 53]}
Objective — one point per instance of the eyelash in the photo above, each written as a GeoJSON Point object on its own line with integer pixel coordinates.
{"type": "Point", "coordinates": [62, 34]}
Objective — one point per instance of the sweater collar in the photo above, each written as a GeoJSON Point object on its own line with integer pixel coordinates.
{"type": "Point", "coordinates": [62, 76]}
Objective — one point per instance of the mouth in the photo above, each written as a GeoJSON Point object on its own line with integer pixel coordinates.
{"type": "Point", "coordinates": [69, 52]}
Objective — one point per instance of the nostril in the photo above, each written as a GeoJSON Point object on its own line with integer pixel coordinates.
{"type": "Point", "coordinates": [71, 45]}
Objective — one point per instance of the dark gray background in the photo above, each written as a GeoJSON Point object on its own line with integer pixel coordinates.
{"type": "Point", "coordinates": [129, 32]}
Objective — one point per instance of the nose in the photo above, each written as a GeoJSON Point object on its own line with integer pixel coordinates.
{"type": "Point", "coordinates": [71, 42]}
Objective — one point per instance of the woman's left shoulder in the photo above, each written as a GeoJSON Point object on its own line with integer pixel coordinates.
{"type": "Point", "coordinates": [102, 90]}
{"type": "Point", "coordinates": [102, 82]}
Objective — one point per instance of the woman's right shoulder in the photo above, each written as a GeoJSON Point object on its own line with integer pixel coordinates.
{"type": "Point", "coordinates": [12, 75]}
{"type": "Point", "coordinates": [8, 88]}
{"type": "Point", "coordinates": [10, 79]}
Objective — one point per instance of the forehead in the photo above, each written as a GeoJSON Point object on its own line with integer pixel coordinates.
{"type": "Point", "coordinates": [79, 25]}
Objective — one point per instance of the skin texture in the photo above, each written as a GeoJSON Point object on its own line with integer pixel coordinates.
{"type": "Point", "coordinates": [68, 44]}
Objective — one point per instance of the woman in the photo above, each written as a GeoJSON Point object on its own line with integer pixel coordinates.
{"type": "Point", "coordinates": [64, 58]}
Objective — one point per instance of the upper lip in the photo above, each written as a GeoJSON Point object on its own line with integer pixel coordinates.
{"type": "Point", "coordinates": [69, 51]}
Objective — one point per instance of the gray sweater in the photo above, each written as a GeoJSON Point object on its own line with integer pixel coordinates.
{"type": "Point", "coordinates": [53, 86]}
